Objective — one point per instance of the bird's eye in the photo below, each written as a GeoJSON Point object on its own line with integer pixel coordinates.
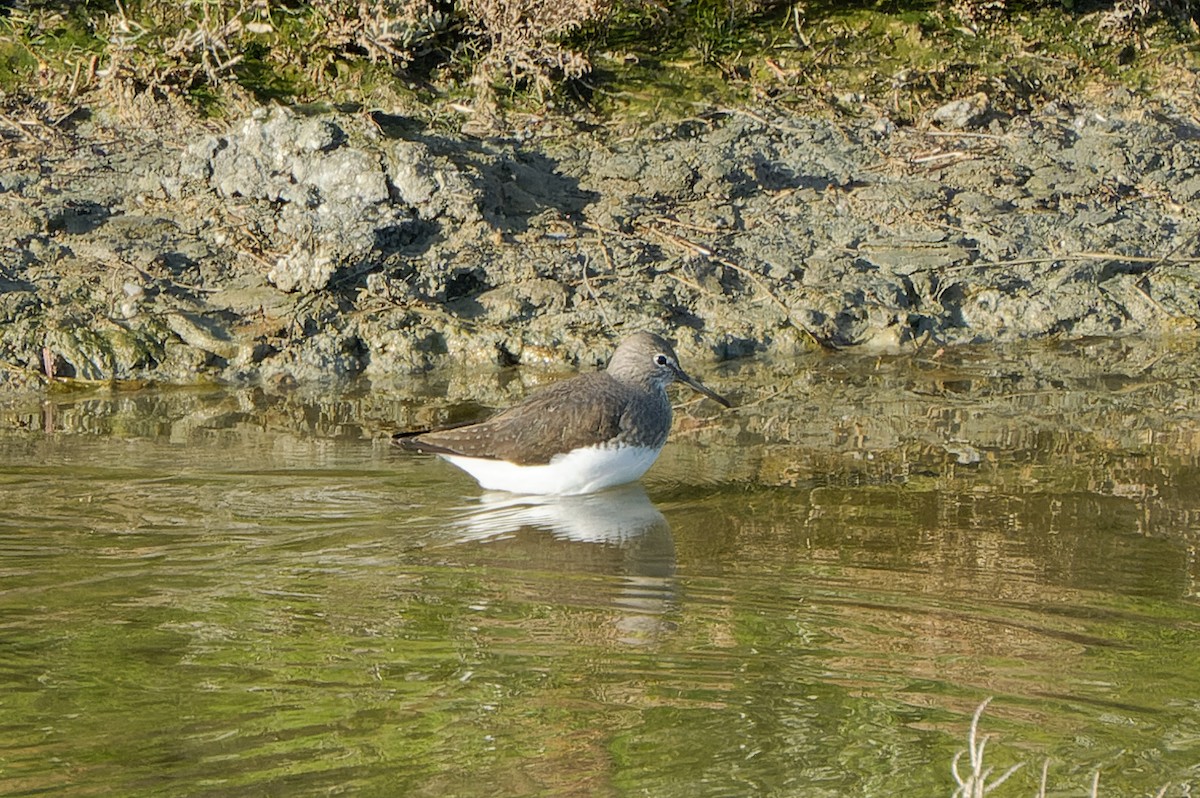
{"type": "Point", "coordinates": [660, 360]}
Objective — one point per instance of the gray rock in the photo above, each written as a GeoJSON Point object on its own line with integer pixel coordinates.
{"type": "Point", "coordinates": [962, 114]}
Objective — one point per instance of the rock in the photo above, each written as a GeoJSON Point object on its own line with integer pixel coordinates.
{"type": "Point", "coordinates": [203, 334]}
{"type": "Point", "coordinates": [330, 197]}
{"type": "Point", "coordinates": [963, 114]}
{"type": "Point", "coordinates": [302, 270]}
{"type": "Point", "coordinates": [432, 186]}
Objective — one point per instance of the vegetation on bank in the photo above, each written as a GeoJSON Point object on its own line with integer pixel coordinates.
{"type": "Point", "coordinates": [903, 56]}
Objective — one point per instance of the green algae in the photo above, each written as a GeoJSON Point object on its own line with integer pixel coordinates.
{"type": "Point", "coordinates": [900, 57]}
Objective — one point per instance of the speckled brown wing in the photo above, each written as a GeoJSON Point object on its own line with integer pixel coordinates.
{"type": "Point", "coordinates": [582, 411]}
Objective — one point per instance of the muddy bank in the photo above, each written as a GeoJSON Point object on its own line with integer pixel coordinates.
{"type": "Point", "coordinates": [291, 248]}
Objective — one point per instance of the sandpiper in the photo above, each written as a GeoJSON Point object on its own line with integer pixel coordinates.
{"type": "Point", "coordinates": [581, 435]}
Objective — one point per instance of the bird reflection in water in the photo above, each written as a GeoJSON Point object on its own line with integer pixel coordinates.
{"type": "Point", "coordinates": [617, 535]}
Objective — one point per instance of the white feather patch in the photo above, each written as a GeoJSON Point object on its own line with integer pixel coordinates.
{"type": "Point", "coordinates": [580, 471]}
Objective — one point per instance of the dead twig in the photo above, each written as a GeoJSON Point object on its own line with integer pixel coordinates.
{"type": "Point", "coordinates": [20, 128]}
{"type": "Point", "coordinates": [1169, 257]}
{"type": "Point", "coordinates": [1068, 258]}
{"type": "Point", "coordinates": [975, 784]}
{"type": "Point", "coordinates": [22, 371]}
{"type": "Point", "coordinates": [690, 226]}
{"type": "Point", "coordinates": [754, 279]}
{"type": "Point", "coordinates": [692, 284]}
{"type": "Point", "coordinates": [952, 134]}
{"type": "Point", "coordinates": [587, 284]}
{"type": "Point", "coordinates": [776, 125]}
{"type": "Point", "coordinates": [938, 160]}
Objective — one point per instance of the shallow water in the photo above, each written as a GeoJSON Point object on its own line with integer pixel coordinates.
{"type": "Point", "coordinates": [240, 593]}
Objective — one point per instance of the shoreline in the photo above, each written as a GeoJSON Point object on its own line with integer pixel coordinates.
{"type": "Point", "coordinates": [294, 248]}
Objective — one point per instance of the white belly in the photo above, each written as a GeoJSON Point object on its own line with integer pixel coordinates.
{"type": "Point", "coordinates": [581, 471]}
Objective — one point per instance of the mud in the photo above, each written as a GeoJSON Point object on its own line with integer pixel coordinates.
{"type": "Point", "coordinates": [291, 248]}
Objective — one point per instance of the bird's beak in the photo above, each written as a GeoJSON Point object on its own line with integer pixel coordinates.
{"type": "Point", "coordinates": [696, 386]}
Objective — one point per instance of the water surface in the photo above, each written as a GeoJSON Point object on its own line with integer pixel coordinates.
{"type": "Point", "coordinates": [234, 592]}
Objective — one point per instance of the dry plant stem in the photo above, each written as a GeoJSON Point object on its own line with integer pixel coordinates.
{"type": "Point", "coordinates": [17, 126]}
{"type": "Point", "coordinates": [936, 159]}
{"type": "Point", "coordinates": [1068, 258]}
{"type": "Point", "coordinates": [1170, 256]}
{"type": "Point", "coordinates": [692, 284]}
{"type": "Point", "coordinates": [764, 121]}
{"type": "Point", "coordinates": [755, 279]}
{"type": "Point", "coordinates": [975, 784]}
{"type": "Point", "coordinates": [24, 372]}
{"type": "Point", "coordinates": [700, 228]}
{"type": "Point", "coordinates": [587, 284]}
{"type": "Point", "coordinates": [523, 40]}
{"type": "Point", "coordinates": [962, 134]}
{"type": "Point", "coordinates": [1154, 304]}
{"type": "Point", "coordinates": [48, 363]}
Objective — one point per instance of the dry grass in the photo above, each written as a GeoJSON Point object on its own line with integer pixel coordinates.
{"type": "Point", "coordinates": [976, 779]}
{"type": "Point", "coordinates": [209, 51]}
{"type": "Point", "coordinates": [179, 46]}
{"type": "Point", "coordinates": [523, 39]}
{"type": "Point", "coordinates": [184, 48]}
{"type": "Point", "coordinates": [170, 45]}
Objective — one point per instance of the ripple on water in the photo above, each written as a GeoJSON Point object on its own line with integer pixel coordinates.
{"type": "Point", "coordinates": [814, 609]}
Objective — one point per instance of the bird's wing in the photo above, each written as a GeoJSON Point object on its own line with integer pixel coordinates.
{"type": "Point", "coordinates": [582, 411]}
